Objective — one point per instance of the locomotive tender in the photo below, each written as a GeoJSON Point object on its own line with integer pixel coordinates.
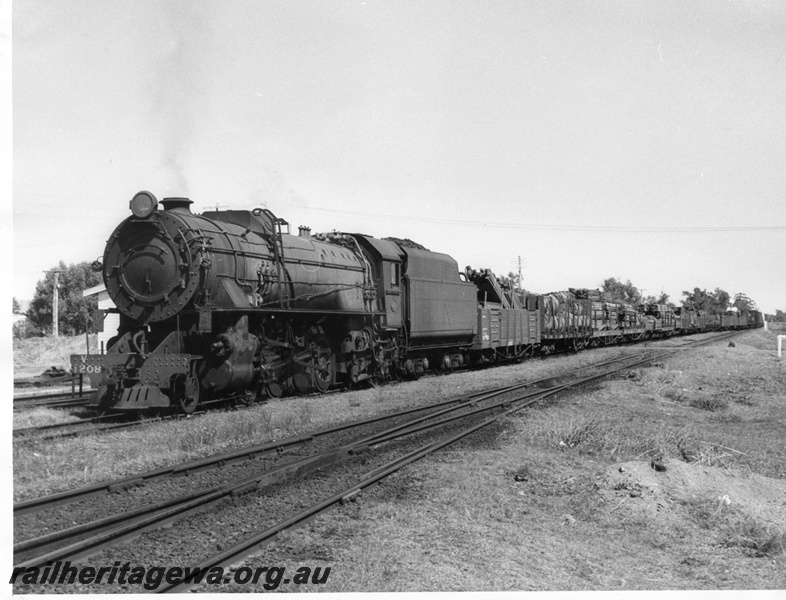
{"type": "Point", "coordinates": [230, 303]}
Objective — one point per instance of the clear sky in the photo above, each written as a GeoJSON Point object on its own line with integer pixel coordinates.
{"type": "Point", "coordinates": [641, 140]}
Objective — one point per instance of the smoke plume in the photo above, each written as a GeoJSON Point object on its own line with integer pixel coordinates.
{"type": "Point", "coordinates": [180, 95]}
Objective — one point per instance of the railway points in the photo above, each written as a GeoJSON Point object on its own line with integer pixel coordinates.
{"type": "Point", "coordinates": [106, 532]}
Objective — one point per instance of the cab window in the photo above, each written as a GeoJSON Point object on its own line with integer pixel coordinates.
{"type": "Point", "coordinates": [395, 274]}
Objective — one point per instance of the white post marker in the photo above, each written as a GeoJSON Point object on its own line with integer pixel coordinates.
{"type": "Point", "coordinates": [780, 344]}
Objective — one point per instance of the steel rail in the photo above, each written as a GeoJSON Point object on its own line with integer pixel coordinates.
{"type": "Point", "coordinates": [216, 461]}
{"type": "Point", "coordinates": [163, 513]}
{"type": "Point", "coordinates": [251, 452]}
{"type": "Point", "coordinates": [77, 494]}
{"type": "Point", "coordinates": [53, 403]}
{"type": "Point", "coordinates": [144, 420]}
{"type": "Point", "coordinates": [114, 529]}
{"type": "Point", "coordinates": [47, 396]}
{"type": "Point", "coordinates": [249, 545]}
{"type": "Point", "coordinates": [54, 426]}
{"type": "Point", "coordinates": [23, 432]}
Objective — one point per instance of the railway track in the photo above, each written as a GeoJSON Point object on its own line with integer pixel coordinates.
{"type": "Point", "coordinates": [65, 429]}
{"type": "Point", "coordinates": [50, 400]}
{"type": "Point", "coordinates": [94, 424]}
{"type": "Point", "coordinates": [252, 544]}
{"type": "Point", "coordinates": [79, 428]}
{"type": "Point", "coordinates": [461, 414]}
{"type": "Point", "coordinates": [91, 425]}
{"type": "Point", "coordinates": [88, 538]}
{"type": "Point", "coordinates": [278, 447]}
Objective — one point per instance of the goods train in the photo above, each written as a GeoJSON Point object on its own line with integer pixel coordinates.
{"type": "Point", "coordinates": [230, 304]}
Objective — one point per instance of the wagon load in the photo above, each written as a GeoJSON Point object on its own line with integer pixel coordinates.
{"type": "Point", "coordinates": [491, 288]}
{"type": "Point", "coordinates": [662, 313]}
{"type": "Point", "coordinates": [594, 295]}
{"type": "Point", "coordinates": [630, 316]}
{"type": "Point", "coordinates": [608, 314]}
{"type": "Point", "coordinates": [561, 312]}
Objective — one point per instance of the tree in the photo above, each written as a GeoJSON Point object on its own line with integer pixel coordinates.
{"type": "Point", "coordinates": [743, 302]}
{"type": "Point", "coordinates": [697, 299]}
{"type": "Point", "coordinates": [72, 307]}
{"type": "Point", "coordinates": [780, 316]}
{"type": "Point", "coordinates": [663, 298]}
{"type": "Point", "coordinates": [24, 329]}
{"type": "Point", "coordinates": [722, 299]}
{"type": "Point", "coordinates": [17, 309]}
{"type": "Point", "coordinates": [623, 292]}
{"type": "Point", "coordinates": [714, 303]}
{"type": "Point", "coordinates": [516, 282]}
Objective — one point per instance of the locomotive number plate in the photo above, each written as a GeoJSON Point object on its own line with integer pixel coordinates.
{"type": "Point", "coordinates": [92, 364]}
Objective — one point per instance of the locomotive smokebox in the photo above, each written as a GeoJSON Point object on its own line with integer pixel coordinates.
{"type": "Point", "coordinates": [177, 204]}
{"type": "Point", "coordinates": [150, 262]}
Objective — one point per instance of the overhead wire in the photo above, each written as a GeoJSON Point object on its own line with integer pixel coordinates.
{"type": "Point", "coordinates": [553, 227]}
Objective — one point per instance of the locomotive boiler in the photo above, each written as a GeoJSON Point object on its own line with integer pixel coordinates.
{"type": "Point", "coordinates": [230, 302]}
{"type": "Point", "coordinates": [200, 295]}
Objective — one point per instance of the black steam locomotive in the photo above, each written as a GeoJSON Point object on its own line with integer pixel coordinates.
{"type": "Point", "coordinates": [229, 303]}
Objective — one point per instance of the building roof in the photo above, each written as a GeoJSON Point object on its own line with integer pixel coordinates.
{"type": "Point", "coordinates": [94, 291]}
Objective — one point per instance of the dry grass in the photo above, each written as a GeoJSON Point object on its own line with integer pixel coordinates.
{"type": "Point", "coordinates": [537, 508]}
{"type": "Point", "coordinates": [533, 507]}
{"type": "Point", "coordinates": [39, 416]}
{"type": "Point", "coordinates": [45, 467]}
{"type": "Point", "coordinates": [732, 528]}
{"type": "Point", "coordinates": [33, 356]}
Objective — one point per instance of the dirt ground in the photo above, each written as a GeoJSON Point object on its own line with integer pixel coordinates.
{"type": "Point", "coordinates": [762, 498]}
{"type": "Point", "coordinates": [33, 356]}
{"type": "Point", "coordinates": [669, 478]}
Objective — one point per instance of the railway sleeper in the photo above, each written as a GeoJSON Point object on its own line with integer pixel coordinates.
{"type": "Point", "coordinates": [126, 485]}
{"type": "Point", "coordinates": [352, 496]}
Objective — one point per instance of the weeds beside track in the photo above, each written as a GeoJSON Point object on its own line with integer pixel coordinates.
{"type": "Point", "coordinates": [110, 531]}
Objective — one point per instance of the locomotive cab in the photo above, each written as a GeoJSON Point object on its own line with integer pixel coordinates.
{"type": "Point", "coordinates": [387, 260]}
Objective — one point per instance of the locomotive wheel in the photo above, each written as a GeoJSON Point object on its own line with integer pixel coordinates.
{"type": "Point", "coordinates": [301, 381]}
{"type": "Point", "coordinates": [274, 390]}
{"type": "Point", "coordinates": [323, 369]}
{"type": "Point", "coordinates": [186, 390]}
{"type": "Point", "coordinates": [446, 368]}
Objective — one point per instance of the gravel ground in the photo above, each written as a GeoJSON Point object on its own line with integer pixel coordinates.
{"type": "Point", "coordinates": [43, 522]}
{"type": "Point", "coordinates": [229, 521]}
{"type": "Point", "coordinates": [197, 536]}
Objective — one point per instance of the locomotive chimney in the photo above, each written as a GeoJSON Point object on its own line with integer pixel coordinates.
{"type": "Point", "coordinates": [304, 231]}
{"type": "Point", "coordinates": [177, 204]}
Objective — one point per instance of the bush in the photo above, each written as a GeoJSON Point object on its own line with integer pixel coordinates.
{"type": "Point", "coordinates": [710, 403]}
{"type": "Point", "coordinates": [757, 539]}
{"type": "Point", "coordinates": [23, 329]}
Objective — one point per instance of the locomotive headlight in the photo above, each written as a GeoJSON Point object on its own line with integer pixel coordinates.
{"type": "Point", "coordinates": [143, 205]}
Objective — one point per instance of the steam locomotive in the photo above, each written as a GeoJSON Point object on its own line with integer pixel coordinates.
{"type": "Point", "coordinates": [230, 303]}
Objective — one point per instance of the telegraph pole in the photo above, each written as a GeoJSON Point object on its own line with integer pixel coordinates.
{"type": "Point", "coordinates": [55, 299]}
